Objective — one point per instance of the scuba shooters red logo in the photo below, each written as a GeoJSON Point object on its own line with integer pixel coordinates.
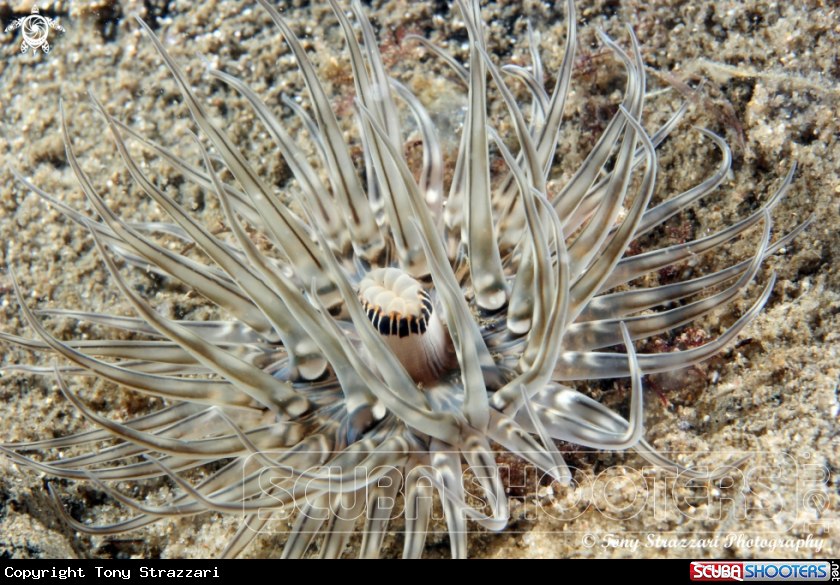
{"type": "Point", "coordinates": [717, 571]}
{"type": "Point", "coordinates": [763, 571]}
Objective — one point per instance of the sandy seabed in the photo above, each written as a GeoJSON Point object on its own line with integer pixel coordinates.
{"type": "Point", "coordinates": [772, 88]}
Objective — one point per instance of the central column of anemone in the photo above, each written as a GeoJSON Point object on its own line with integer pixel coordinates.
{"type": "Point", "coordinates": [403, 313]}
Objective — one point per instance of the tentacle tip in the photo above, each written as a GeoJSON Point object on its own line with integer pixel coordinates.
{"type": "Point", "coordinates": [205, 60]}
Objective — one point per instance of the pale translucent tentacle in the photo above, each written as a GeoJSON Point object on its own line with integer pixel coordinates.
{"type": "Point", "coordinates": [538, 297]}
{"type": "Point", "coordinates": [247, 532]}
{"type": "Point", "coordinates": [559, 467]}
{"type": "Point", "coordinates": [435, 252]}
{"type": "Point", "coordinates": [211, 448]}
{"type": "Point", "coordinates": [596, 193]}
{"type": "Point", "coordinates": [122, 248]}
{"type": "Point", "coordinates": [347, 509]}
{"type": "Point", "coordinates": [547, 134]}
{"type": "Point", "coordinates": [155, 351]}
{"type": "Point", "coordinates": [460, 510]}
{"type": "Point", "coordinates": [505, 431]}
{"type": "Point", "coordinates": [586, 246]}
{"type": "Point", "coordinates": [377, 201]}
{"type": "Point", "coordinates": [294, 337]}
{"type": "Point", "coordinates": [310, 519]}
{"type": "Point", "coordinates": [663, 211]}
{"type": "Point", "coordinates": [418, 510]}
{"type": "Point", "coordinates": [447, 464]}
{"type": "Point", "coordinates": [389, 181]}
{"type": "Point", "coordinates": [197, 426]}
{"type": "Point", "coordinates": [212, 392]}
{"type": "Point", "coordinates": [288, 229]}
{"type": "Point", "coordinates": [486, 272]}
{"type": "Point", "coordinates": [650, 454]}
{"type": "Point", "coordinates": [297, 338]}
{"type": "Point", "coordinates": [604, 333]}
{"type": "Point", "coordinates": [364, 233]}
{"type": "Point", "coordinates": [617, 305]}
{"type": "Point", "coordinates": [219, 332]}
{"type": "Point", "coordinates": [381, 504]}
{"type": "Point", "coordinates": [509, 398]}
{"type": "Point", "coordinates": [221, 292]}
{"type": "Point", "coordinates": [240, 200]}
{"type": "Point", "coordinates": [431, 176]}
{"type": "Point", "coordinates": [629, 268]}
{"type": "Point", "coordinates": [314, 132]}
{"type": "Point", "coordinates": [384, 100]}
{"type": "Point", "coordinates": [533, 278]}
{"type": "Point", "coordinates": [588, 283]}
{"type": "Point", "coordinates": [475, 449]}
{"type": "Point", "coordinates": [329, 221]}
{"type": "Point", "coordinates": [148, 422]}
{"type": "Point", "coordinates": [252, 381]}
{"type": "Point", "coordinates": [541, 98]}
{"type": "Point", "coordinates": [581, 365]}
{"type": "Point", "coordinates": [570, 197]}
{"type": "Point", "coordinates": [460, 71]}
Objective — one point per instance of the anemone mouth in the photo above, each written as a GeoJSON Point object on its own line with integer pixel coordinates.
{"type": "Point", "coordinates": [319, 367]}
{"type": "Point", "coordinates": [403, 313]}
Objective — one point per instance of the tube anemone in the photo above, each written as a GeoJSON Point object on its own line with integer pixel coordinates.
{"type": "Point", "coordinates": [392, 328]}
